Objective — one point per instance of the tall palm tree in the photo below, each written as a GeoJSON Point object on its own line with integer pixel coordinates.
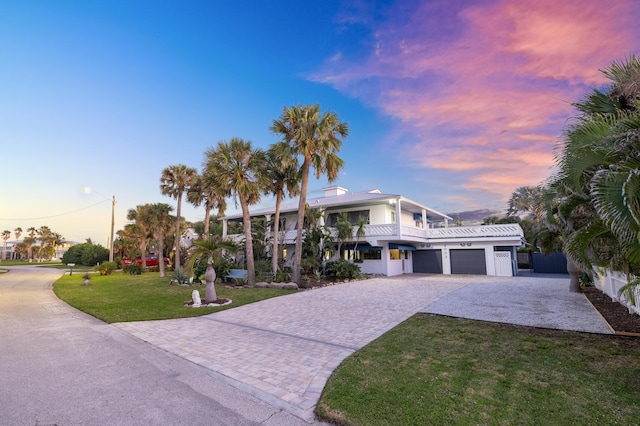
{"type": "Point", "coordinates": [5, 236]}
{"type": "Point", "coordinates": [527, 199]}
{"type": "Point", "coordinates": [159, 221]}
{"type": "Point", "coordinates": [316, 138]}
{"type": "Point", "coordinates": [283, 174]}
{"type": "Point", "coordinates": [202, 191]}
{"type": "Point", "coordinates": [140, 230]}
{"type": "Point", "coordinates": [44, 233]}
{"type": "Point", "coordinates": [32, 234]}
{"type": "Point", "coordinates": [237, 168]}
{"type": "Point", "coordinates": [175, 180]}
{"type": "Point", "coordinates": [209, 247]}
{"type": "Point", "coordinates": [17, 232]}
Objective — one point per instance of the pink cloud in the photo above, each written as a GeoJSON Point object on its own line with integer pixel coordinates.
{"type": "Point", "coordinates": [486, 91]}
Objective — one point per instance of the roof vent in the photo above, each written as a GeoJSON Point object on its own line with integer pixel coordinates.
{"type": "Point", "coordinates": [332, 191]}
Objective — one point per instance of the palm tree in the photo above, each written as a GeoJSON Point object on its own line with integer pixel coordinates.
{"type": "Point", "coordinates": [317, 138]}
{"type": "Point", "coordinates": [159, 221]}
{"type": "Point", "coordinates": [283, 173]}
{"type": "Point", "coordinates": [361, 231]}
{"type": "Point", "coordinates": [32, 233]}
{"type": "Point", "coordinates": [5, 236]}
{"type": "Point", "coordinates": [44, 233]}
{"type": "Point", "coordinates": [527, 199]}
{"type": "Point", "coordinates": [237, 168]}
{"type": "Point", "coordinates": [599, 167]}
{"type": "Point", "coordinates": [140, 230]}
{"type": "Point", "coordinates": [201, 192]}
{"type": "Point", "coordinates": [210, 247]}
{"type": "Point", "coordinates": [175, 180]}
{"type": "Point", "coordinates": [17, 232]}
{"type": "Point", "coordinates": [344, 230]}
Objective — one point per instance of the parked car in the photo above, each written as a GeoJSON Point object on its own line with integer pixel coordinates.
{"type": "Point", "coordinates": [150, 260]}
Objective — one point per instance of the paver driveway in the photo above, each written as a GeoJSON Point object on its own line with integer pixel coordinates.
{"type": "Point", "coordinates": [284, 349]}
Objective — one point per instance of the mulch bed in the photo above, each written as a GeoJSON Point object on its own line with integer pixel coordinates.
{"type": "Point", "coordinates": [616, 314]}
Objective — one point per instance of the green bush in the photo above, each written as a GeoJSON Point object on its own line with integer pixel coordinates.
{"type": "Point", "coordinates": [342, 270]}
{"type": "Point", "coordinates": [282, 277]}
{"type": "Point", "coordinates": [222, 265]}
{"type": "Point", "coordinates": [106, 268]}
{"type": "Point", "coordinates": [86, 254]}
{"type": "Point", "coordinates": [133, 269]}
{"type": "Point", "coordinates": [180, 276]}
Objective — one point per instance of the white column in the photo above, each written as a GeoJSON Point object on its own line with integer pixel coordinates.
{"type": "Point", "coordinates": [398, 217]}
{"type": "Point", "coordinates": [424, 219]}
{"type": "Point", "coordinates": [224, 228]}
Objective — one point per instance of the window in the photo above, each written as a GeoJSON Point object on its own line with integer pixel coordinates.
{"type": "Point", "coordinates": [353, 217]}
{"type": "Point", "coordinates": [371, 254]}
{"type": "Point", "coordinates": [393, 217]}
{"type": "Point", "coordinates": [395, 254]}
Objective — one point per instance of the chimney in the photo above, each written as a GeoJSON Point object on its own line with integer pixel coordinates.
{"type": "Point", "coordinates": [332, 191]}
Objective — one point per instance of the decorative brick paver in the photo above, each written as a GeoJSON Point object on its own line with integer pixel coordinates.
{"type": "Point", "coordinates": [284, 349]}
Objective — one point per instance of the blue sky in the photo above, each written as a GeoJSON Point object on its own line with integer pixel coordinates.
{"type": "Point", "coordinates": [452, 106]}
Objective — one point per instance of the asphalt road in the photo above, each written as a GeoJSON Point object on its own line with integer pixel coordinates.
{"type": "Point", "coordinates": [59, 366]}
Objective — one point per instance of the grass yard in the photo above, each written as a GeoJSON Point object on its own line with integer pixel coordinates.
{"type": "Point", "coordinates": [434, 370]}
{"type": "Point", "coordinates": [122, 297]}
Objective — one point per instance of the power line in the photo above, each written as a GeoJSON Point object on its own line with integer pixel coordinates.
{"type": "Point", "coordinates": [57, 215]}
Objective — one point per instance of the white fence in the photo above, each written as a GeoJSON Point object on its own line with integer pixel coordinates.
{"type": "Point", "coordinates": [611, 282]}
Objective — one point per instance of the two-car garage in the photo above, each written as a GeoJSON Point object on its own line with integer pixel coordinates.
{"type": "Point", "coordinates": [463, 261]}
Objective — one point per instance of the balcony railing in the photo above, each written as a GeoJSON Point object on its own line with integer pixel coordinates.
{"type": "Point", "coordinates": [390, 230]}
{"type": "Point", "coordinates": [505, 230]}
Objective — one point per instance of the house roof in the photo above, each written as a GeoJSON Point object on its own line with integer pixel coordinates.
{"type": "Point", "coordinates": [355, 199]}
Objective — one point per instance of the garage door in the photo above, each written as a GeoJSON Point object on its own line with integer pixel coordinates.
{"type": "Point", "coordinates": [427, 261]}
{"type": "Point", "coordinates": [470, 261]}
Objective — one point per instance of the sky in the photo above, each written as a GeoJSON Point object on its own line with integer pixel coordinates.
{"type": "Point", "coordinates": [453, 104]}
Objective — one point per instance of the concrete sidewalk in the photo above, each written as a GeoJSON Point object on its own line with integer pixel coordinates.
{"type": "Point", "coordinates": [284, 349]}
{"type": "Point", "coordinates": [61, 366]}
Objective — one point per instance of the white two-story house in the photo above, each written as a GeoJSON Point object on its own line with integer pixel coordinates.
{"type": "Point", "coordinates": [400, 235]}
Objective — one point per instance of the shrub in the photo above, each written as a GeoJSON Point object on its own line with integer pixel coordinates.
{"type": "Point", "coordinates": [222, 265]}
{"type": "Point", "coordinates": [180, 276]}
{"type": "Point", "coordinates": [106, 268]}
{"type": "Point", "coordinates": [282, 277]}
{"type": "Point", "coordinates": [133, 269]}
{"type": "Point", "coordinates": [342, 270]}
{"type": "Point", "coordinates": [87, 254]}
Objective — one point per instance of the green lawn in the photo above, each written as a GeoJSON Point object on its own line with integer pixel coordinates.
{"type": "Point", "coordinates": [122, 297]}
{"type": "Point", "coordinates": [435, 370]}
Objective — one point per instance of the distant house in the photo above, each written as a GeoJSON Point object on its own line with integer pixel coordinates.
{"type": "Point", "coordinates": [187, 237]}
{"type": "Point", "coordinates": [401, 236]}
{"type": "Point", "coordinates": [11, 254]}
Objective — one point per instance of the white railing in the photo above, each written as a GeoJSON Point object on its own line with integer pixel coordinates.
{"type": "Point", "coordinates": [412, 231]}
{"type": "Point", "coordinates": [506, 230]}
{"type": "Point", "coordinates": [380, 230]}
{"type": "Point", "coordinates": [391, 230]}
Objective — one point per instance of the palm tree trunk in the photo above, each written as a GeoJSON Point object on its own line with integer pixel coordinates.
{"type": "Point", "coordinates": [161, 265]}
{"type": "Point", "coordinates": [207, 218]}
{"type": "Point", "coordinates": [251, 269]}
{"type": "Point", "coordinates": [572, 268]}
{"type": "Point", "coordinates": [301, 205]}
{"type": "Point", "coordinates": [177, 257]}
{"type": "Point", "coordinates": [210, 289]}
{"type": "Point", "coordinates": [275, 252]}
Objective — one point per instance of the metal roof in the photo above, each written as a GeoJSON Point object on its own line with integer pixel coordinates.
{"type": "Point", "coordinates": [369, 197]}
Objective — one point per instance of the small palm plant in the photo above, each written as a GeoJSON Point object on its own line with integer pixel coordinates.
{"type": "Point", "coordinates": [210, 248]}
